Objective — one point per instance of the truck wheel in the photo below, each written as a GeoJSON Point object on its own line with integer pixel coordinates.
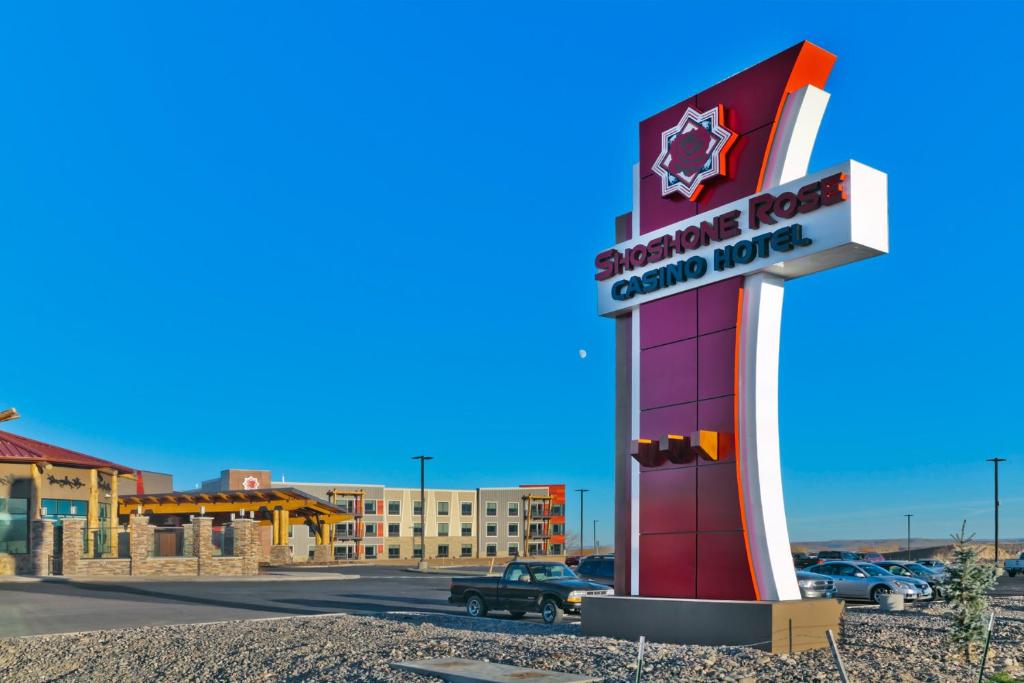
{"type": "Point", "coordinates": [475, 606]}
{"type": "Point", "coordinates": [516, 615]}
{"type": "Point", "coordinates": [551, 612]}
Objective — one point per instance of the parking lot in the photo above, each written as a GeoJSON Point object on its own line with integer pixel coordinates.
{"type": "Point", "coordinates": [58, 606]}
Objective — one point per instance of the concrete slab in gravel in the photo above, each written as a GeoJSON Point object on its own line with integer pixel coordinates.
{"type": "Point", "coordinates": [459, 670]}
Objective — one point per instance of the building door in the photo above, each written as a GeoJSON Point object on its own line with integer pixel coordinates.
{"type": "Point", "coordinates": [56, 563]}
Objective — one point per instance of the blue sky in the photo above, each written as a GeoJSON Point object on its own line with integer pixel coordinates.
{"type": "Point", "coordinates": [225, 227]}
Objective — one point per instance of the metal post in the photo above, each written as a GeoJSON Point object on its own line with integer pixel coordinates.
{"type": "Point", "coordinates": [595, 537]}
{"type": "Point", "coordinates": [996, 461]}
{"type": "Point", "coordinates": [581, 492]}
{"type": "Point", "coordinates": [423, 509]}
{"type": "Point", "coordinates": [835, 656]}
{"type": "Point", "coordinates": [908, 536]}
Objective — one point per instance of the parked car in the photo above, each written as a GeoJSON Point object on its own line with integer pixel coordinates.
{"type": "Point", "coordinates": [872, 557]}
{"type": "Point", "coordinates": [815, 585]}
{"type": "Point", "coordinates": [550, 588]}
{"type": "Point", "coordinates": [1014, 567]}
{"type": "Point", "coordinates": [803, 560]}
{"type": "Point", "coordinates": [866, 581]}
{"type": "Point", "coordinates": [597, 568]}
{"type": "Point", "coordinates": [845, 555]}
{"type": "Point", "coordinates": [572, 560]}
{"type": "Point", "coordinates": [935, 578]}
{"type": "Point", "coordinates": [932, 564]}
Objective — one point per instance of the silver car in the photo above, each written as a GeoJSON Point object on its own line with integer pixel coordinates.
{"type": "Point", "coordinates": [936, 578]}
{"type": "Point", "coordinates": [866, 581]}
{"type": "Point", "coordinates": [815, 585]}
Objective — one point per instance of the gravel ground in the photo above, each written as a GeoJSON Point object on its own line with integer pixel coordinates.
{"type": "Point", "coordinates": [875, 647]}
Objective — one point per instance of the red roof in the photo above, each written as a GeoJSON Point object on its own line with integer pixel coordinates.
{"type": "Point", "coordinates": [14, 448]}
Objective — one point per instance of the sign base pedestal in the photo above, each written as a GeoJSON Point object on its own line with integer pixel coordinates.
{"type": "Point", "coordinates": [778, 627]}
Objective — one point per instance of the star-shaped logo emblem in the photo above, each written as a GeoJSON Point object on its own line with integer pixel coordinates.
{"type": "Point", "coordinates": [693, 151]}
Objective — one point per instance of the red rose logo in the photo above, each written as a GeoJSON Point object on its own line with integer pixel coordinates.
{"type": "Point", "coordinates": [689, 151]}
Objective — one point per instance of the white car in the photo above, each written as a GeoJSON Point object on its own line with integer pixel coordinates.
{"type": "Point", "coordinates": [1014, 567]}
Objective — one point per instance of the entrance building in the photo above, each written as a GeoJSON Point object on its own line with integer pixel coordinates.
{"type": "Point", "coordinates": [40, 481]}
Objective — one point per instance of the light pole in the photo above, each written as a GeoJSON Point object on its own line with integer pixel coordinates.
{"type": "Point", "coordinates": [581, 492]}
{"type": "Point", "coordinates": [9, 414]}
{"type": "Point", "coordinates": [996, 461]}
{"type": "Point", "coordinates": [908, 536]}
{"type": "Point", "coordinates": [423, 509]}
{"type": "Point", "coordinates": [595, 537]}
{"type": "Point", "coordinates": [527, 515]}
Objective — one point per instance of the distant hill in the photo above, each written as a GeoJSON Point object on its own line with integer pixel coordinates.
{"type": "Point", "coordinates": [920, 548]}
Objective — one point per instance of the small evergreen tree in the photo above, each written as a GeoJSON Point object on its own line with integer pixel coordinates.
{"type": "Point", "coordinates": [967, 590]}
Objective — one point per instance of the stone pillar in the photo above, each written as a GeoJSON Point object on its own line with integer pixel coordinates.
{"type": "Point", "coordinates": [71, 545]}
{"type": "Point", "coordinates": [202, 541]}
{"type": "Point", "coordinates": [280, 554]}
{"type": "Point", "coordinates": [247, 545]}
{"type": "Point", "coordinates": [140, 539]}
{"type": "Point", "coordinates": [322, 553]}
{"type": "Point", "coordinates": [188, 544]}
{"type": "Point", "coordinates": [42, 546]}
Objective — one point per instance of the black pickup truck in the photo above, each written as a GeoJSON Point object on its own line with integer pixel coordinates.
{"type": "Point", "coordinates": [549, 588]}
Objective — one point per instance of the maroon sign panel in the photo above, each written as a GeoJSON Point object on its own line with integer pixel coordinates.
{"type": "Point", "coordinates": [692, 543]}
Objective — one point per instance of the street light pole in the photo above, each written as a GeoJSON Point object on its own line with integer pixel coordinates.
{"type": "Point", "coordinates": [595, 537]}
{"type": "Point", "coordinates": [996, 461]}
{"type": "Point", "coordinates": [581, 492]}
{"type": "Point", "coordinates": [423, 509]}
{"type": "Point", "coordinates": [908, 536]}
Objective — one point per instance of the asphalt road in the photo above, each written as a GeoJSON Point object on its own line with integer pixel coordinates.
{"type": "Point", "coordinates": [29, 608]}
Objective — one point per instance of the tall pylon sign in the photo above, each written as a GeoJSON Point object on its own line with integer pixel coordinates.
{"type": "Point", "coordinates": [724, 213]}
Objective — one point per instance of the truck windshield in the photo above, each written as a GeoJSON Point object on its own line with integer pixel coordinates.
{"type": "Point", "coordinates": [546, 572]}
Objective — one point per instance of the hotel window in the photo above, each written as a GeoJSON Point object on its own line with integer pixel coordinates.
{"type": "Point", "coordinates": [467, 529]}
{"type": "Point", "coordinates": [394, 530]}
{"type": "Point", "coordinates": [467, 551]}
{"type": "Point", "coordinates": [442, 508]}
{"type": "Point", "coordinates": [371, 529]}
{"type": "Point", "coordinates": [492, 530]}
{"type": "Point", "coordinates": [371, 552]}
{"type": "Point", "coordinates": [513, 509]}
{"type": "Point", "coordinates": [513, 549]}
{"type": "Point", "coordinates": [59, 508]}
{"type": "Point", "coordinates": [417, 507]}
{"type": "Point", "coordinates": [467, 509]}
{"type": "Point", "coordinates": [442, 551]}
{"type": "Point", "coordinates": [556, 510]}
{"type": "Point", "coordinates": [492, 550]}
{"type": "Point", "coordinates": [537, 510]}
{"type": "Point", "coordinates": [556, 548]}
{"type": "Point", "coordinates": [492, 509]}
{"type": "Point", "coordinates": [14, 525]}
{"type": "Point", "coordinates": [557, 529]}
{"type": "Point", "coordinates": [394, 552]}
{"type": "Point", "coordinates": [341, 529]}
{"type": "Point", "coordinates": [370, 507]}
{"type": "Point", "coordinates": [442, 528]}
{"type": "Point", "coordinates": [394, 507]}
{"type": "Point", "coordinates": [417, 551]}
{"type": "Point", "coordinates": [513, 528]}
{"type": "Point", "coordinates": [416, 528]}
